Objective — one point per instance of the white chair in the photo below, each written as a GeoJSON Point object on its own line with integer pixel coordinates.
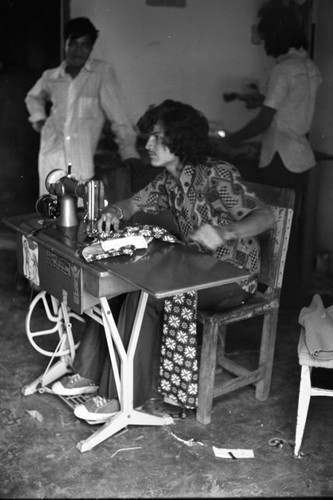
{"type": "Point", "coordinates": [306, 389]}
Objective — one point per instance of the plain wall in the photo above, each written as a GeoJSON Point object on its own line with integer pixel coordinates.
{"type": "Point", "coordinates": [322, 127]}
{"type": "Point", "coordinates": [192, 54]}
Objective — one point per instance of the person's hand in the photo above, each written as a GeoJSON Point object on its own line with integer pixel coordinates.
{"type": "Point", "coordinates": [252, 100]}
{"type": "Point", "coordinates": [37, 126]}
{"type": "Point", "coordinates": [212, 237]}
{"type": "Point", "coordinates": [109, 219]}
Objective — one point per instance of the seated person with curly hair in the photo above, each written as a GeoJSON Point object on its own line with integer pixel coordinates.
{"type": "Point", "coordinates": [214, 212]}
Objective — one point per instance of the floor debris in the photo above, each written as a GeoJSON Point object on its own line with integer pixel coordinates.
{"type": "Point", "coordinates": [36, 415]}
{"type": "Point", "coordinates": [126, 449]}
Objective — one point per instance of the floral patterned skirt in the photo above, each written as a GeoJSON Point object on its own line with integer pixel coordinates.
{"type": "Point", "coordinates": [179, 359]}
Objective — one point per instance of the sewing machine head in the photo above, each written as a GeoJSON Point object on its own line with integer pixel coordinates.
{"type": "Point", "coordinates": [67, 190]}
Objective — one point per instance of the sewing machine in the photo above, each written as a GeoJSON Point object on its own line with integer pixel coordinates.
{"type": "Point", "coordinates": [62, 203]}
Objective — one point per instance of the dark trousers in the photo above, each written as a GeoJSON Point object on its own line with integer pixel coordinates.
{"type": "Point", "coordinates": [276, 174]}
{"type": "Point", "coordinates": [92, 358]}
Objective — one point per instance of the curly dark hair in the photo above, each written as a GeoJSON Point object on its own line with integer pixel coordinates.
{"type": "Point", "coordinates": [185, 129]}
{"type": "Point", "coordinates": [280, 29]}
{"type": "Point", "coordinates": [78, 27]}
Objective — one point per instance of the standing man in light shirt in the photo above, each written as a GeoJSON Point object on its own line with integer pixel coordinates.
{"type": "Point", "coordinates": [82, 94]}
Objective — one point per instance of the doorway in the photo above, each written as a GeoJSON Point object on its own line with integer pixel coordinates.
{"type": "Point", "coordinates": [30, 42]}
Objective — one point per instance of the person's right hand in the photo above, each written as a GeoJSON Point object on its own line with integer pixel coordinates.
{"type": "Point", "coordinates": [108, 220]}
{"type": "Point", "coordinates": [37, 126]}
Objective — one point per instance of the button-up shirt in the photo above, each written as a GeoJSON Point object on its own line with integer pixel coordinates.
{"type": "Point", "coordinates": [211, 193]}
{"type": "Point", "coordinates": [79, 108]}
{"type": "Point", "coordinates": [291, 90]}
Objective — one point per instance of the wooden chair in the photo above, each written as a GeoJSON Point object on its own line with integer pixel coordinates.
{"type": "Point", "coordinates": [265, 302]}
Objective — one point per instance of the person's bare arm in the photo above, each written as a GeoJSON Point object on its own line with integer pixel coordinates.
{"type": "Point", "coordinates": [255, 127]}
{"type": "Point", "coordinates": [258, 221]}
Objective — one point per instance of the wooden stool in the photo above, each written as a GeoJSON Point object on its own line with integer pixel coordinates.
{"type": "Point", "coordinates": [306, 390]}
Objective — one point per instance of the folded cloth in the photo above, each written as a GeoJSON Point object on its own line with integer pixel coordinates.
{"type": "Point", "coordinates": [117, 243]}
{"type": "Point", "coordinates": [318, 326]}
{"type": "Point", "coordinates": [125, 241]}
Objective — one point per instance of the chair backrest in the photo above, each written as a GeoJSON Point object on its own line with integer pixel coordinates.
{"type": "Point", "coordinates": [274, 242]}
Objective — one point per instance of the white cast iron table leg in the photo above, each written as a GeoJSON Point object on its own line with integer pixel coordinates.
{"type": "Point", "coordinates": [127, 415]}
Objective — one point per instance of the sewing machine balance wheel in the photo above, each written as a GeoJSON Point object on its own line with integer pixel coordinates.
{"type": "Point", "coordinates": [59, 324]}
{"type": "Point", "coordinates": [53, 177]}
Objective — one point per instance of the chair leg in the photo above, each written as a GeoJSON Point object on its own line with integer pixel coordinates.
{"type": "Point", "coordinates": [266, 356]}
{"type": "Point", "coordinates": [222, 333]}
{"type": "Point", "coordinates": [207, 372]}
{"type": "Point", "coordinates": [303, 406]}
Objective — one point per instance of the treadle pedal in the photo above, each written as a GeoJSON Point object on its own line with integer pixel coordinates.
{"type": "Point", "coordinates": [96, 422]}
{"type": "Point", "coordinates": [73, 401]}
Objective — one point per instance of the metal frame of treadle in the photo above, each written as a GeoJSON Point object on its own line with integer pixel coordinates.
{"type": "Point", "coordinates": [101, 313]}
{"type": "Point", "coordinates": [127, 415]}
{"type": "Point", "coordinates": [65, 349]}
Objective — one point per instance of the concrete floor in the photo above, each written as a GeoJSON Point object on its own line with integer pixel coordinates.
{"type": "Point", "coordinates": [39, 433]}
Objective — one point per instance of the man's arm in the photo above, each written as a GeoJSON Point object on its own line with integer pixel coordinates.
{"type": "Point", "coordinates": [151, 199]}
{"type": "Point", "coordinates": [35, 101]}
{"type": "Point", "coordinates": [255, 127]}
{"type": "Point", "coordinates": [253, 224]}
{"type": "Point", "coordinates": [114, 214]}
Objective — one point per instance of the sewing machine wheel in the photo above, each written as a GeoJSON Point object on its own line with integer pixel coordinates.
{"type": "Point", "coordinates": [53, 177]}
{"type": "Point", "coordinates": [57, 340]}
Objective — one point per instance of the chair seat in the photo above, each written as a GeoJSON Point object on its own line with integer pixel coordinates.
{"type": "Point", "coordinates": [305, 358]}
{"type": "Point", "coordinates": [254, 306]}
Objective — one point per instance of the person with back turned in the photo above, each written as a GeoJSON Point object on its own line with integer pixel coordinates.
{"type": "Point", "coordinates": [284, 120]}
{"type": "Point", "coordinates": [286, 109]}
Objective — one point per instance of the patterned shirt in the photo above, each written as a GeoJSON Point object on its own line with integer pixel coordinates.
{"type": "Point", "coordinates": [211, 193]}
{"type": "Point", "coordinates": [79, 109]}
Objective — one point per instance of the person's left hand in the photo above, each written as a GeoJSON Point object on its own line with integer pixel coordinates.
{"type": "Point", "coordinates": [211, 237]}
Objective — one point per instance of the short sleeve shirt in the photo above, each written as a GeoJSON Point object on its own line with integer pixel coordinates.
{"type": "Point", "coordinates": [291, 91]}
{"type": "Point", "coordinates": [211, 193]}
